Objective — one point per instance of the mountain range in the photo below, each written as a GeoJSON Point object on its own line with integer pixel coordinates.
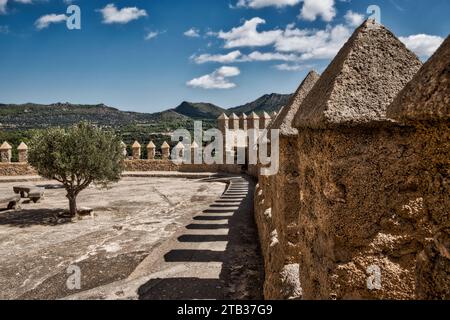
{"type": "Point", "coordinates": [31, 116]}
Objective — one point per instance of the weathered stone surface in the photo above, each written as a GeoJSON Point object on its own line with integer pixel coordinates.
{"type": "Point", "coordinates": [427, 96]}
{"type": "Point", "coordinates": [283, 120]}
{"type": "Point", "coordinates": [364, 186]}
{"type": "Point", "coordinates": [150, 165]}
{"type": "Point", "coordinates": [16, 169]}
{"type": "Point", "coordinates": [5, 152]}
{"type": "Point", "coordinates": [363, 79]}
{"type": "Point", "coordinates": [281, 194]}
{"type": "Point", "coordinates": [424, 104]}
{"type": "Point", "coordinates": [23, 152]}
{"type": "Point", "coordinates": [132, 220]}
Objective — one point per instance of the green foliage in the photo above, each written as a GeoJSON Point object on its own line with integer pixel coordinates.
{"type": "Point", "coordinates": [77, 157]}
{"type": "Point", "coordinates": [79, 153]}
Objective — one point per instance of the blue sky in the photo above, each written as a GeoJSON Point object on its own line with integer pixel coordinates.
{"type": "Point", "coordinates": [149, 55]}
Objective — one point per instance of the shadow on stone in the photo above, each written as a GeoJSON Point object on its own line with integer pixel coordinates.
{"type": "Point", "coordinates": [194, 226]}
{"type": "Point", "coordinates": [203, 238]}
{"type": "Point", "coordinates": [28, 218]}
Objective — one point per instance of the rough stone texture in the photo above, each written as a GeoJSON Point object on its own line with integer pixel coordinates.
{"type": "Point", "coordinates": [363, 79]}
{"type": "Point", "coordinates": [425, 105]}
{"type": "Point", "coordinates": [278, 231]}
{"type": "Point", "coordinates": [16, 169]}
{"type": "Point", "coordinates": [131, 220]}
{"type": "Point", "coordinates": [150, 165]}
{"type": "Point", "coordinates": [427, 96]}
{"type": "Point", "coordinates": [365, 194]}
{"type": "Point", "coordinates": [23, 152]}
{"type": "Point", "coordinates": [5, 152]}
{"type": "Point", "coordinates": [283, 120]}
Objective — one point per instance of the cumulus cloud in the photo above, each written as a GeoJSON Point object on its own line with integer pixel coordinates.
{"type": "Point", "coordinates": [257, 4]}
{"type": "Point", "coordinates": [113, 15]}
{"type": "Point", "coordinates": [4, 3]}
{"type": "Point", "coordinates": [312, 9]}
{"type": "Point", "coordinates": [422, 44]}
{"type": "Point", "coordinates": [354, 19]}
{"type": "Point", "coordinates": [291, 67]}
{"type": "Point", "coordinates": [313, 44]}
{"type": "Point", "coordinates": [306, 44]}
{"type": "Point", "coordinates": [193, 33]}
{"type": "Point", "coordinates": [216, 80]}
{"type": "Point", "coordinates": [220, 58]}
{"type": "Point", "coordinates": [237, 56]}
{"type": "Point", "coordinates": [44, 21]}
{"type": "Point", "coordinates": [247, 35]}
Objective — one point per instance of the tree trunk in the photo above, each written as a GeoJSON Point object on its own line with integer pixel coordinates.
{"type": "Point", "coordinates": [73, 205]}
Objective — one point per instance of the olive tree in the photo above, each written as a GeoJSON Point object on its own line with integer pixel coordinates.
{"type": "Point", "coordinates": [77, 157]}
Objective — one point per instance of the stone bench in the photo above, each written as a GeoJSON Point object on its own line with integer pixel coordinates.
{"type": "Point", "coordinates": [9, 202]}
{"type": "Point", "coordinates": [33, 193]}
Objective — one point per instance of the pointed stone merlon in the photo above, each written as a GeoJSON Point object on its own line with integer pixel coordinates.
{"type": "Point", "coordinates": [195, 152]}
{"type": "Point", "coordinates": [5, 152]}
{"type": "Point", "coordinates": [165, 149]}
{"type": "Point", "coordinates": [234, 122]}
{"type": "Point", "coordinates": [243, 122]}
{"type": "Point", "coordinates": [136, 148]}
{"type": "Point", "coordinates": [179, 151]}
{"type": "Point", "coordinates": [223, 123]}
{"type": "Point", "coordinates": [353, 91]}
{"type": "Point", "coordinates": [425, 104]}
{"type": "Point", "coordinates": [22, 149]}
{"type": "Point", "coordinates": [427, 97]}
{"type": "Point", "coordinates": [264, 120]}
{"type": "Point", "coordinates": [151, 151]}
{"type": "Point", "coordinates": [124, 149]}
{"type": "Point", "coordinates": [253, 121]}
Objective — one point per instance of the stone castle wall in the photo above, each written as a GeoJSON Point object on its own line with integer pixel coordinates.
{"type": "Point", "coordinates": [369, 199]}
{"type": "Point", "coordinates": [16, 169]}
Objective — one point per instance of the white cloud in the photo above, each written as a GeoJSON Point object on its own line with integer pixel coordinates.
{"type": "Point", "coordinates": [193, 33]}
{"type": "Point", "coordinates": [354, 19]}
{"type": "Point", "coordinates": [113, 15]}
{"type": "Point", "coordinates": [314, 8]}
{"type": "Point", "coordinates": [44, 21]}
{"type": "Point", "coordinates": [220, 58]}
{"type": "Point", "coordinates": [257, 4]}
{"type": "Point", "coordinates": [216, 80]}
{"type": "Point", "coordinates": [152, 35]}
{"type": "Point", "coordinates": [313, 44]}
{"type": "Point", "coordinates": [237, 56]}
{"type": "Point", "coordinates": [247, 35]}
{"type": "Point", "coordinates": [271, 56]}
{"type": "Point", "coordinates": [422, 44]}
{"type": "Point", "coordinates": [3, 4]}
{"type": "Point", "coordinates": [291, 67]}
{"type": "Point", "coordinates": [302, 44]}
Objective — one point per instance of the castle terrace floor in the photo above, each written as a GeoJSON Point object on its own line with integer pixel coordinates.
{"type": "Point", "coordinates": [150, 237]}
